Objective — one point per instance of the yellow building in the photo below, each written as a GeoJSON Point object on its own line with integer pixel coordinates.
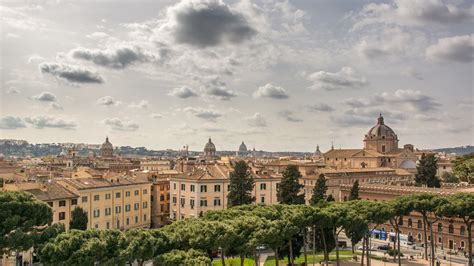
{"type": "Point", "coordinates": [120, 203]}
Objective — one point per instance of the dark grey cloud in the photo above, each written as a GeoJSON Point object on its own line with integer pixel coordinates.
{"type": "Point", "coordinates": [206, 114]}
{"type": "Point", "coordinates": [454, 49]}
{"type": "Point", "coordinates": [11, 122]}
{"type": "Point", "coordinates": [414, 98]}
{"type": "Point", "coordinates": [42, 121]}
{"type": "Point", "coordinates": [45, 96]}
{"type": "Point", "coordinates": [256, 120]}
{"type": "Point", "coordinates": [270, 91]}
{"type": "Point", "coordinates": [320, 107]}
{"type": "Point", "coordinates": [120, 124]}
{"type": "Point", "coordinates": [289, 116]}
{"type": "Point", "coordinates": [208, 23]}
{"type": "Point", "coordinates": [73, 74]}
{"type": "Point", "coordinates": [346, 78]}
{"type": "Point", "coordinates": [113, 58]}
{"type": "Point", "coordinates": [183, 92]}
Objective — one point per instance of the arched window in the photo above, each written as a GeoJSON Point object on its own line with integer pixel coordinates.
{"type": "Point", "coordinates": [462, 230]}
{"type": "Point", "coordinates": [419, 224]}
{"type": "Point", "coordinates": [440, 227]}
{"type": "Point", "coordinates": [410, 222]}
{"type": "Point", "coordinates": [451, 229]}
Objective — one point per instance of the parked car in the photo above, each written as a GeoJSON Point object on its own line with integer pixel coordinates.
{"type": "Point", "coordinates": [383, 247]}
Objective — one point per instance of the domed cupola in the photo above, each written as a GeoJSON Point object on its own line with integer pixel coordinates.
{"type": "Point", "coordinates": [209, 148]}
{"type": "Point", "coordinates": [243, 147]}
{"type": "Point", "coordinates": [381, 137]}
{"type": "Point", "coordinates": [107, 149]}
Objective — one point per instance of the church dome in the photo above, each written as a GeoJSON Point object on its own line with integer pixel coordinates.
{"type": "Point", "coordinates": [242, 147]}
{"type": "Point", "coordinates": [381, 130]}
{"type": "Point", "coordinates": [318, 152]}
{"type": "Point", "coordinates": [107, 148]}
{"type": "Point", "coordinates": [209, 148]}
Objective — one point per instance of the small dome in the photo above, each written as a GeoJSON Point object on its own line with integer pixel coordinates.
{"type": "Point", "coordinates": [107, 148]}
{"type": "Point", "coordinates": [381, 130]}
{"type": "Point", "coordinates": [408, 164]}
{"type": "Point", "coordinates": [209, 148]}
{"type": "Point", "coordinates": [242, 147]}
{"type": "Point", "coordinates": [318, 152]}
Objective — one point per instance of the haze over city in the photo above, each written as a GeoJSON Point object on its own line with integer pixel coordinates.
{"type": "Point", "coordinates": [280, 75]}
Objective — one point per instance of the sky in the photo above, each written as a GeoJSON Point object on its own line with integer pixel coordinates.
{"type": "Point", "coordinates": [279, 75]}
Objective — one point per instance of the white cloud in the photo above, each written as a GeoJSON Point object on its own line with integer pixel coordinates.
{"type": "Point", "coordinates": [12, 90]}
{"type": "Point", "coordinates": [45, 96]}
{"type": "Point", "coordinates": [55, 106]}
{"type": "Point", "coordinates": [108, 101]}
{"type": "Point", "coordinates": [346, 78]}
{"type": "Point", "coordinates": [143, 104]}
{"type": "Point", "coordinates": [206, 114]}
{"type": "Point", "coordinates": [156, 115]}
{"type": "Point", "coordinates": [289, 116]}
{"type": "Point", "coordinates": [320, 107]}
{"type": "Point", "coordinates": [183, 92]}
{"type": "Point", "coordinates": [256, 120]}
{"type": "Point", "coordinates": [120, 124]}
{"type": "Point", "coordinates": [270, 91]}
{"type": "Point", "coordinates": [11, 122]}
{"type": "Point", "coordinates": [455, 49]}
{"type": "Point", "coordinates": [45, 121]}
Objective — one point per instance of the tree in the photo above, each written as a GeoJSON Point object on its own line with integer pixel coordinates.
{"type": "Point", "coordinates": [460, 205]}
{"type": "Point", "coordinates": [330, 198]}
{"type": "Point", "coordinates": [22, 219]}
{"type": "Point", "coordinates": [181, 257]}
{"type": "Point", "coordinates": [426, 171]}
{"type": "Point", "coordinates": [354, 191]}
{"type": "Point", "coordinates": [79, 219]}
{"type": "Point", "coordinates": [288, 192]}
{"type": "Point", "coordinates": [399, 207]}
{"type": "Point", "coordinates": [142, 245]}
{"type": "Point", "coordinates": [338, 214]}
{"type": "Point", "coordinates": [319, 191]}
{"type": "Point", "coordinates": [241, 185]}
{"type": "Point", "coordinates": [448, 177]}
{"type": "Point", "coordinates": [464, 168]}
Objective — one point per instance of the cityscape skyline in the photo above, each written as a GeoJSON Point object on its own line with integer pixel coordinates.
{"type": "Point", "coordinates": [279, 75]}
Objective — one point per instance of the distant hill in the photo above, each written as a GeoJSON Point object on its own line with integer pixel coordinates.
{"type": "Point", "coordinates": [458, 150]}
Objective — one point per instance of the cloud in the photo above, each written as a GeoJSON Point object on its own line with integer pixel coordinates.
{"type": "Point", "coordinates": [270, 91]}
{"type": "Point", "coordinates": [43, 121]}
{"type": "Point", "coordinates": [107, 101]}
{"type": "Point", "coordinates": [415, 98]}
{"type": "Point", "coordinates": [411, 72]}
{"type": "Point", "coordinates": [256, 120]}
{"type": "Point", "coordinates": [414, 13]}
{"type": "Point", "coordinates": [346, 78]}
{"type": "Point", "coordinates": [97, 35]}
{"type": "Point", "coordinates": [74, 74]}
{"type": "Point", "coordinates": [55, 106]}
{"type": "Point", "coordinates": [320, 107]}
{"type": "Point", "coordinates": [183, 92]}
{"type": "Point", "coordinates": [386, 42]}
{"type": "Point", "coordinates": [156, 115]}
{"type": "Point", "coordinates": [207, 23]}
{"type": "Point", "coordinates": [12, 90]}
{"type": "Point", "coordinates": [455, 49]}
{"type": "Point", "coordinates": [289, 116]}
{"type": "Point", "coordinates": [120, 125]}
{"type": "Point", "coordinates": [117, 58]}
{"type": "Point", "coordinates": [214, 87]}
{"type": "Point", "coordinates": [11, 122]}
{"type": "Point", "coordinates": [205, 114]}
{"type": "Point", "coordinates": [353, 102]}
{"type": "Point", "coordinates": [34, 58]}
{"type": "Point", "coordinates": [45, 96]}
{"type": "Point", "coordinates": [143, 104]}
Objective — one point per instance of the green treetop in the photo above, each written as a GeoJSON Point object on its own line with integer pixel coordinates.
{"type": "Point", "coordinates": [319, 191]}
{"type": "Point", "coordinates": [288, 191]}
{"type": "Point", "coordinates": [241, 185]}
{"type": "Point", "coordinates": [426, 171]}
{"type": "Point", "coordinates": [78, 219]}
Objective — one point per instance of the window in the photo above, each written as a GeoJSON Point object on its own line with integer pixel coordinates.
{"type": "Point", "coordinates": [191, 188]}
{"type": "Point", "coordinates": [440, 227]}
{"type": "Point", "coordinates": [162, 197]}
{"type": "Point", "coordinates": [136, 219]}
{"type": "Point", "coordinates": [136, 192]}
{"type": "Point", "coordinates": [191, 202]}
{"type": "Point", "coordinates": [462, 230]}
{"type": "Point", "coordinates": [174, 186]}
{"type": "Point", "coordinates": [96, 226]}
{"type": "Point", "coordinates": [440, 240]}
{"type": "Point", "coordinates": [262, 199]}
{"type": "Point", "coordinates": [419, 224]}
{"type": "Point", "coordinates": [96, 197]}
{"type": "Point", "coordinates": [228, 187]}
{"type": "Point", "coordinates": [451, 229]}
{"type": "Point", "coordinates": [84, 199]}
{"type": "Point", "coordinates": [462, 244]}
{"type": "Point", "coordinates": [162, 207]}
{"type": "Point", "coordinates": [136, 206]}
{"type": "Point", "coordinates": [107, 225]}
{"type": "Point", "coordinates": [107, 196]}
{"type": "Point", "coordinates": [127, 208]}
{"type": "Point", "coordinates": [203, 188]}
{"type": "Point", "coordinates": [217, 188]}
{"type": "Point", "coordinates": [117, 195]}
{"type": "Point", "coordinates": [182, 201]}
{"type": "Point", "coordinates": [62, 203]}
{"type": "Point", "coordinates": [183, 187]}
{"type": "Point", "coordinates": [383, 148]}
{"type": "Point", "coordinates": [127, 193]}
{"type": "Point", "coordinates": [174, 200]}
{"type": "Point", "coordinates": [152, 198]}
{"type": "Point", "coordinates": [145, 205]}
{"type": "Point", "coordinates": [410, 222]}
{"type": "Point", "coordinates": [62, 216]}
{"type": "Point", "coordinates": [127, 221]}
{"type": "Point", "coordinates": [108, 211]}
{"type": "Point", "coordinates": [96, 213]}
{"type": "Point", "coordinates": [203, 203]}
{"type": "Point", "coordinates": [51, 204]}
{"type": "Point", "coordinates": [400, 222]}
{"type": "Point", "coordinates": [217, 202]}
{"type": "Point", "coordinates": [145, 191]}
{"type": "Point", "coordinates": [118, 209]}
{"type": "Point", "coordinates": [74, 202]}
{"type": "Point", "coordinates": [144, 217]}
{"type": "Point", "coordinates": [263, 186]}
